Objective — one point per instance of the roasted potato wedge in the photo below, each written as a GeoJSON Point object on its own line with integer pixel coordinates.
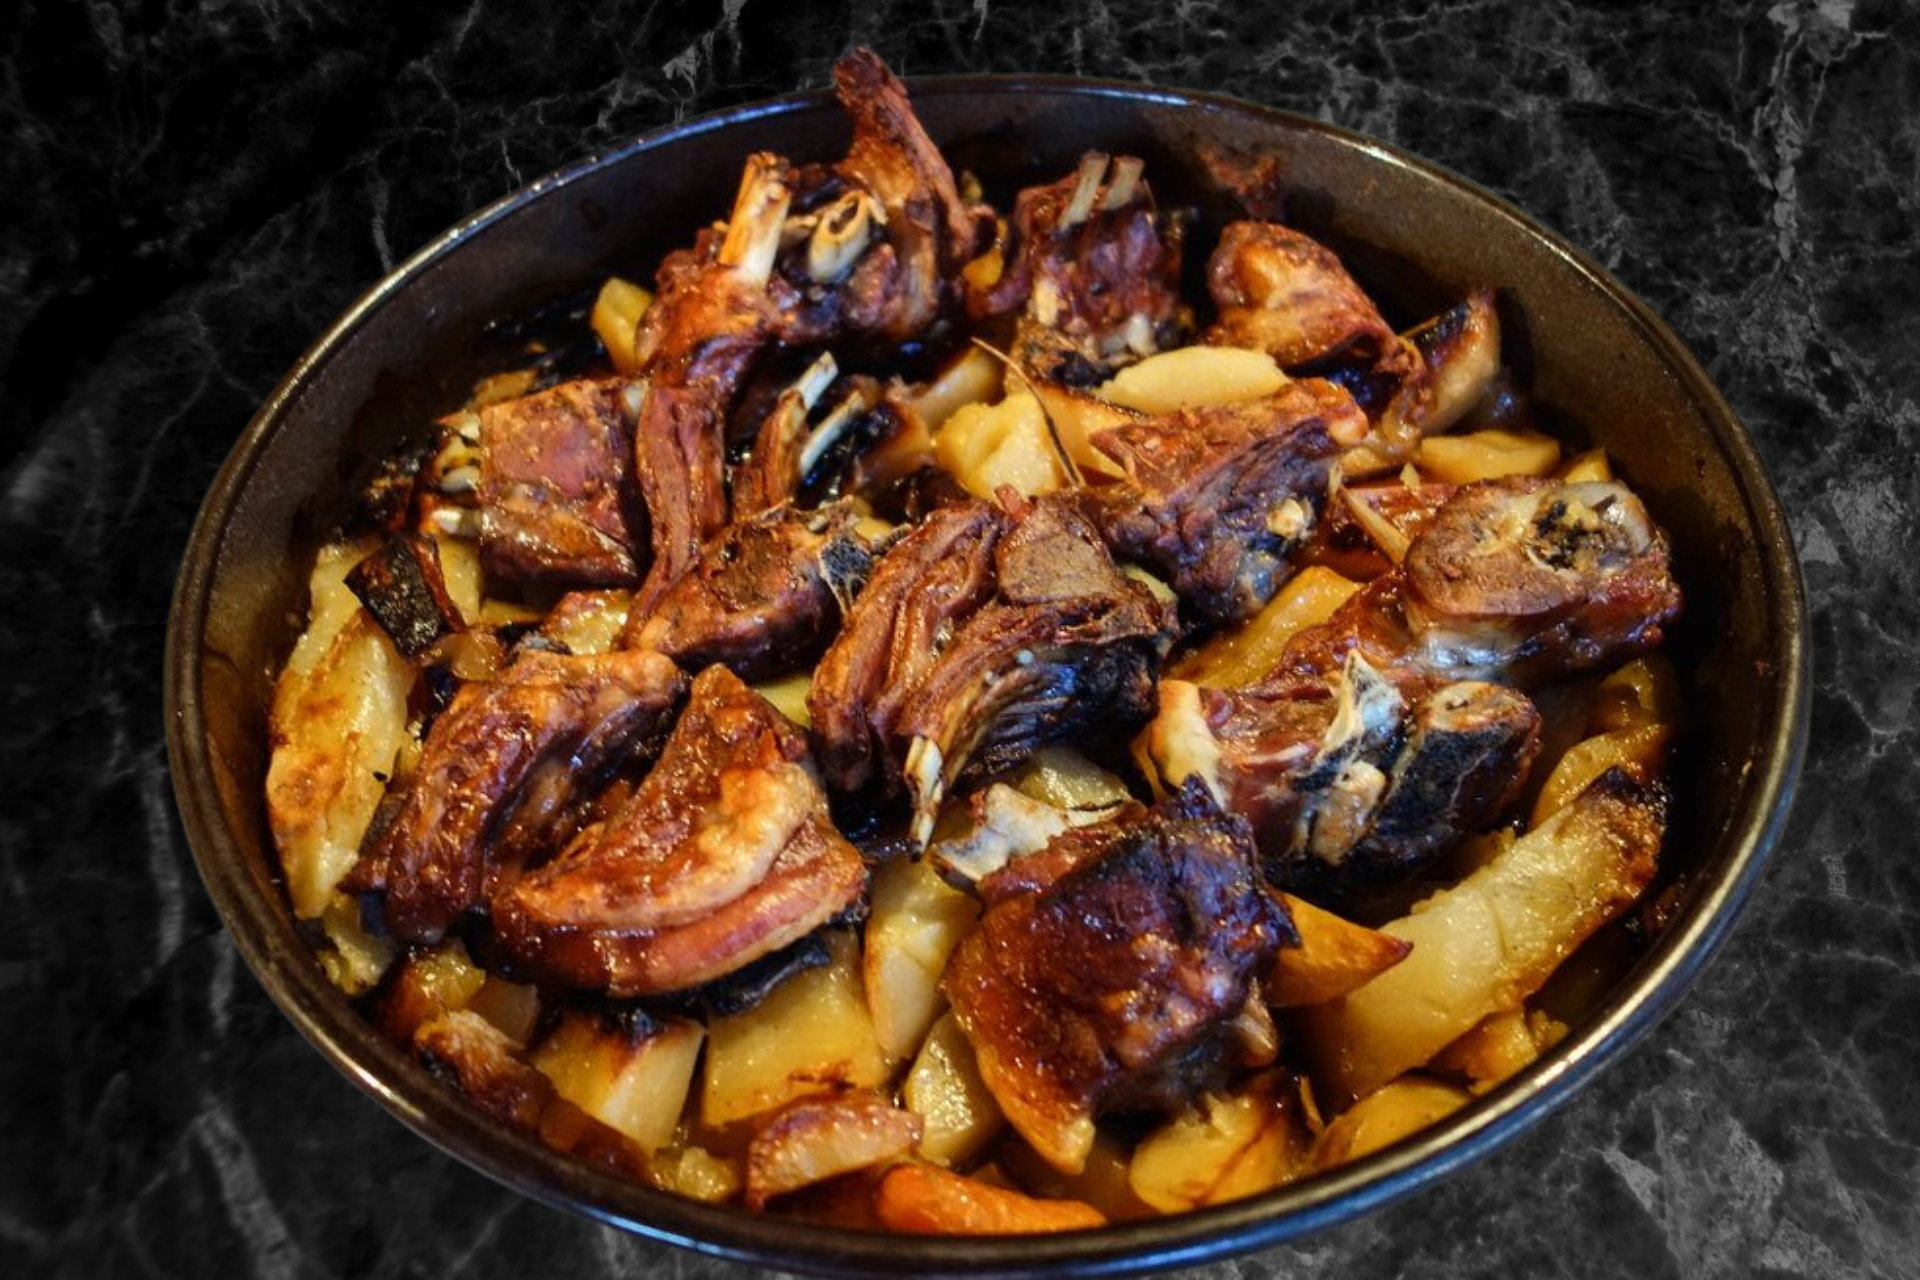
{"type": "Point", "coordinates": [945, 1090]}
{"type": "Point", "coordinates": [1227, 1146]}
{"type": "Point", "coordinates": [1487, 455]}
{"type": "Point", "coordinates": [1384, 1117]}
{"type": "Point", "coordinates": [922, 1199]}
{"type": "Point", "coordinates": [987, 446]}
{"type": "Point", "coordinates": [633, 1079]}
{"type": "Point", "coordinates": [1193, 378]}
{"type": "Point", "coordinates": [1499, 1047]}
{"type": "Point", "coordinates": [812, 1035]}
{"type": "Point", "coordinates": [915, 921]}
{"type": "Point", "coordinates": [1335, 956]}
{"type": "Point", "coordinates": [617, 311]}
{"type": "Point", "coordinates": [1243, 655]}
{"type": "Point", "coordinates": [1487, 943]}
{"type": "Point", "coordinates": [819, 1138]}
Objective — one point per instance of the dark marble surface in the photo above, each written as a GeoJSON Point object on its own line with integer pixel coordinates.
{"type": "Point", "coordinates": [190, 191]}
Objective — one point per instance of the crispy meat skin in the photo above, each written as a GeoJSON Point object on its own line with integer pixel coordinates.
{"type": "Point", "coordinates": [724, 854]}
{"type": "Point", "coordinates": [1127, 960]}
{"type": "Point", "coordinates": [557, 500]}
{"type": "Point", "coordinates": [1517, 580]}
{"type": "Point", "coordinates": [764, 598]}
{"type": "Point", "coordinates": [919, 592]}
{"type": "Point", "coordinates": [1203, 502]}
{"type": "Point", "coordinates": [402, 588]}
{"type": "Point", "coordinates": [1284, 293]}
{"type": "Point", "coordinates": [483, 754]}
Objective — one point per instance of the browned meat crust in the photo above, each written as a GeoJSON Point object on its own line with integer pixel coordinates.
{"type": "Point", "coordinates": [1218, 499]}
{"type": "Point", "coordinates": [434, 857]}
{"type": "Point", "coordinates": [724, 854]}
{"type": "Point", "coordinates": [765, 597]}
{"type": "Point", "coordinates": [557, 500]}
{"type": "Point", "coordinates": [1129, 959]}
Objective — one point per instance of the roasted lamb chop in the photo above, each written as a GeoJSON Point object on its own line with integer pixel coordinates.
{"type": "Point", "coordinates": [1093, 268]}
{"type": "Point", "coordinates": [1142, 946]}
{"type": "Point", "coordinates": [724, 854]}
{"type": "Point", "coordinates": [1516, 580]}
{"type": "Point", "coordinates": [982, 636]}
{"type": "Point", "coordinates": [548, 728]}
{"type": "Point", "coordinates": [1218, 499]}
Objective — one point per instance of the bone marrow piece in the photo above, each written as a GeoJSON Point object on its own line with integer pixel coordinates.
{"type": "Point", "coordinates": [724, 854]}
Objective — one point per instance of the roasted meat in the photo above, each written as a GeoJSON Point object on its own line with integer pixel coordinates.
{"type": "Point", "coordinates": [1093, 268]}
{"type": "Point", "coordinates": [1352, 791]}
{"type": "Point", "coordinates": [1217, 499]}
{"type": "Point", "coordinates": [1147, 943]}
{"type": "Point", "coordinates": [557, 500]}
{"type": "Point", "coordinates": [765, 597]}
{"type": "Point", "coordinates": [724, 854]}
{"type": "Point", "coordinates": [547, 728]}
{"type": "Point", "coordinates": [982, 636]}
{"type": "Point", "coordinates": [1286, 294]}
{"type": "Point", "coordinates": [402, 588]}
{"type": "Point", "coordinates": [1516, 580]}
{"type": "Point", "coordinates": [719, 306]}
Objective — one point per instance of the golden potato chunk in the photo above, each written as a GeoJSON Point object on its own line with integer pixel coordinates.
{"type": "Point", "coordinates": [914, 922]}
{"type": "Point", "coordinates": [1193, 378]}
{"type": "Point", "coordinates": [1335, 956]}
{"type": "Point", "coordinates": [1487, 455]}
{"type": "Point", "coordinates": [338, 721]}
{"type": "Point", "coordinates": [812, 1035]}
{"type": "Point", "coordinates": [987, 446]}
{"type": "Point", "coordinates": [633, 1080]}
{"type": "Point", "coordinates": [1243, 655]}
{"type": "Point", "coordinates": [1487, 943]}
{"type": "Point", "coordinates": [819, 1138]}
{"type": "Point", "coordinates": [1225, 1147]}
{"type": "Point", "coordinates": [1499, 1048]}
{"type": "Point", "coordinates": [945, 1090]}
{"type": "Point", "coordinates": [928, 1201]}
{"type": "Point", "coordinates": [616, 320]}
{"type": "Point", "coordinates": [1384, 1117]}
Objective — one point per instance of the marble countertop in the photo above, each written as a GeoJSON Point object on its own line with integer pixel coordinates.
{"type": "Point", "coordinates": [191, 192]}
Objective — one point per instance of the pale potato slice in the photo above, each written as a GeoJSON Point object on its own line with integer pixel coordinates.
{"type": "Point", "coordinates": [1066, 779]}
{"type": "Point", "coordinates": [633, 1080]}
{"type": "Point", "coordinates": [460, 569]}
{"type": "Point", "coordinates": [1644, 692]}
{"type": "Point", "coordinates": [1642, 751]}
{"type": "Point", "coordinates": [1489, 942]}
{"type": "Point", "coordinates": [1499, 1047]}
{"type": "Point", "coordinates": [1487, 455]}
{"type": "Point", "coordinates": [1193, 378]}
{"type": "Point", "coordinates": [945, 1090]}
{"type": "Point", "coordinates": [356, 959]}
{"type": "Point", "coordinates": [1224, 1147]}
{"type": "Point", "coordinates": [924, 1200]}
{"type": "Point", "coordinates": [811, 1035]}
{"type": "Point", "coordinates": [589, 621]}
{"type": "Point", "coordinates": [986, 447]}
{"type": "Point", "coordinates": [973, 377]}
{"type": "Point", "coordinates": [1335, 956]}
{"type": "Point", "coordinates": [616, 319]}
{"type": "Point", "coordinates": [513, 1007]}
{"type": "Point", "coordinates": [819, 1138]}
{"type": "Point", "coordinates": [498, 388]}
{"type": "Point", "coordinates": [338, 722]}
{"type": "Point", "coordinates": [915, 921]}
{"type": "Point", "coordinates": [788, 694]}
{"type": "Point", "coordinates": [1243, 655]}
{"type": "Point", "coordinates": [1384, 1117]}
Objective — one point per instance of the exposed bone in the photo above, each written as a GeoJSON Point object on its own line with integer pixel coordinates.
{"type": "Point", "coordinates": [923, 772]}
{"type": "Point", "coordinates": [834, 425]}
{"type": "Point", "coordinates": [1123, 182]}
{"type": "Point", "coordinates": [462, 479]}
{"type": "Point", "coordinates": [1085, 187]}
{"type": "Point", "coordinates": [814, 382]}
{"type": "Point", "coordinates": [841, 236]}
{"type": "Point", "coordinates": [759, 210]}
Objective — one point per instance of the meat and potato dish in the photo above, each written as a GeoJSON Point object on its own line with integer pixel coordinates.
{"type": "Point", "coordinates": [961, 717]}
